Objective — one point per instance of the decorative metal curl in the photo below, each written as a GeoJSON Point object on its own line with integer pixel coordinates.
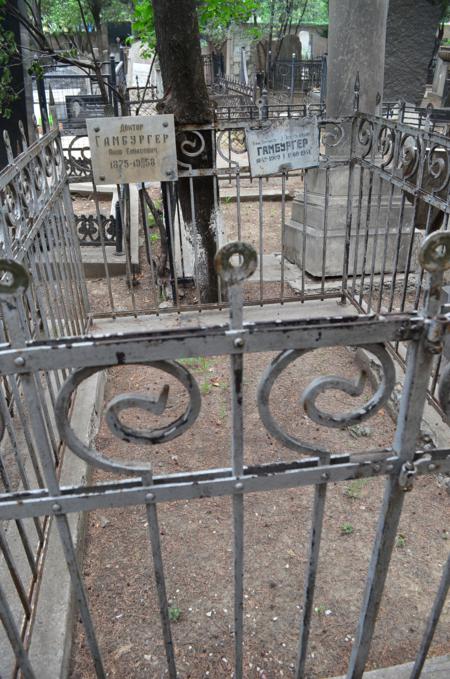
{"type": "Point", "coordinates": [365, 136]}
{"type": "Point", "coordinates": [333, 134]}
{"type": "Point", "coordinates": [386, 145]}
{"type": "Point", "coordinates": [409, 155]}
{"type": "Point", "coordinates": [434, 253]}
{"type": "Point", "coordinates": [77, 158]}
{"type": "Point", "coordinates": [230, 273]}
{"type": "Point", "coordinates": [318, 386]}
{"type": "Point", "coordinates": [438, 167]}
{"type": "Point", "coordinates": [236, 145]}
{"type": "Point", "coordinates": [18, 278]}
{"type": "Point", "coordinates": [190, 148]}
{"type": "Point", "coordinates": [118, 404]}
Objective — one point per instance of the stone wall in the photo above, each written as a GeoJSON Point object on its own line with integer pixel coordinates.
{"type": "Point", "coordinates": [410, 35]}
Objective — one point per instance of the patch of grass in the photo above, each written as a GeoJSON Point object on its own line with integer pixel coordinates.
{"type": "Point", "coordinates": [359, 430]}
{"type": "Point", "coordinates": [198, 362]}
{"type": "Point", "coordinates": [347, 529]}
{"type": "Point", "coordinates": [320, 610]}
{"type": "Point", "coordinates": [205, 388]}
{"type": "Point", "coordinates": [174, 613]}
{"type": "Point", "coordinates": [355, 488]}
{"type": "Point", "coordinates": [400, 541]}
{"type": "Point", "coordinates": [154, 237]}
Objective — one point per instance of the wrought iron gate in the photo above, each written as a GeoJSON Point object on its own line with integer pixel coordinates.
{"type": "Point", "coordinates": [80, 357]}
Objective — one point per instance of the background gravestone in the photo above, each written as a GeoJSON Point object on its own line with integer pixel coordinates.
{"type": "Point", "coordinates": [410, 39]}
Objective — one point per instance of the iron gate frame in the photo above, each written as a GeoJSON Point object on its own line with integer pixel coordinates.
{"type": "Point", "coordinates": [401, 463]}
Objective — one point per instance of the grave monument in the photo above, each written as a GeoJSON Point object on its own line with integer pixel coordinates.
{"type": "Point", "coordinates": [356, 47]}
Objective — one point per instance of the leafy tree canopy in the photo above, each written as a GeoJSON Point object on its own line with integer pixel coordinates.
{"type": "Point", "coordinates": [61, 16]}
{"type": "Point", "coordinates": [215, 18]}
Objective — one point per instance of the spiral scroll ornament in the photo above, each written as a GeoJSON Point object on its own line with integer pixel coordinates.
{"type": "Point", "coordinates": [320, 386]}
{"type": "Point", "coordinates": [123, 402]}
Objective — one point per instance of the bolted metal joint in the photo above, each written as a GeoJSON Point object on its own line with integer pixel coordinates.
{"type": "Point", "coordinates": [435, 335]}
{"type": "Point", "coordinates": [407, 475]}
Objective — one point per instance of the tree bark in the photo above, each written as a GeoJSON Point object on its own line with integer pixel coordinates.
{"type": "Point", "coordinates": [186, 96]}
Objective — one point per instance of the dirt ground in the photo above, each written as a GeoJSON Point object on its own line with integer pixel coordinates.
{"type": "Point", "coordinates": [197, 546]}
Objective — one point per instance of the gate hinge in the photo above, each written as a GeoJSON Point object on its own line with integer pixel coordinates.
{"type": "Point", "coordinates": [408, 472]}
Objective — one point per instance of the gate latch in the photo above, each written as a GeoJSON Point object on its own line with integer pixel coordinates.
{"type": "Point", "coordinates": [409, 470]}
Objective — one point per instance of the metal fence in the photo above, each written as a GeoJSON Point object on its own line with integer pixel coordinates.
{"type": "Point", "coordinates": [38, 234]}
{"type": "Point", "coordinates": [398, 179]}
{"type": "Point", "coordinates": [295, 75]}
{"type": "Point", "coordinates": [429, 118]}
{"type": "Point", "coordinates": [401, 463]}
{"type": "Point", "coordinates": [397, 193]}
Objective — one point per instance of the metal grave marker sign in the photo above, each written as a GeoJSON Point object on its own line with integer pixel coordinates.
{"type": "Point", "coordinates": [133, 149]}
{"type": "Point", "coordinates": [288, 144]}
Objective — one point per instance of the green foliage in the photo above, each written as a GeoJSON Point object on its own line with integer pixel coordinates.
{"type": "Point", "coordinates": [320, 610]}
{"type": "Point", "coordinates": [354, 489]}
{"type": "Point", "coordinates": [400, 541]}
{"type": "Point", "coordinates": [215, 17]}
{"type": "Point", "coordinates": [174, 613]}
{"type": "Point", "coordinates": [63, 16]}
{"type": "Point", "coordinates": [144, 24]}
{"type": "Point", "coordinates": [8, 57]}
{"type": "Point", "coordinates": [347, 529]}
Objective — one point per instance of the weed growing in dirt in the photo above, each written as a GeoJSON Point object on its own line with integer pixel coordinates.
{"type": "Point", "coordinates": [354, 488]}
{"type": "Point", "coordinates": [174, 613]}
{"type": "Point", "coordinates": [320, 610]}
{"type": "Point", "coordinates": [199, 362]}
{"type": "Point", "coordinates": [358, 430]}
{"type": "Point", "coordinates": [347, 529]}
{"type": "Point", "coordinates": [205, 388]}
{"type": "Point", "coordinates": [401, 541]}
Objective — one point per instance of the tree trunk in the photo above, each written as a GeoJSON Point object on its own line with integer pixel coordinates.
{"type": "Point", "coordinates": [186, 96]}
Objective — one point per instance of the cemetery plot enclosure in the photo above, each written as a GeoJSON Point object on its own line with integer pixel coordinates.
{"type": "Point", "coordinates": [397, 179]}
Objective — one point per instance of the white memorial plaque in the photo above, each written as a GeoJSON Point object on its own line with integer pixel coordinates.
{"type": "Point", "coordinates": [133, 149]}
{"type": "Point", "coordinates": [288, 144]}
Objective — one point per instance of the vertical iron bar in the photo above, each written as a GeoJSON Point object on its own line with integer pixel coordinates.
{"type": "Point", "coordinates": [238, 203]}
{"type": "Point", "coordinates": [123, 191]}
{"type": "Point", "coordinates": [171, 243]}
{"type": "Point", "coordinates": [283, 228]}
{"type": "Point", "coordinates": [155, 542]}
{"type": "Point", "coordinates": [148, 245]}
{"type": "Point", "coordinates": [14, 637]}
{"type": "Point", "coordinates": [195, 238]}
{"type": "Point", "coordinates": [432, 622]}
{"type": "Point", "coordinates": [167, 195]}
{"type": "Point", "coordinates": [261, 243]}
{"type": "Point", "coordinates": [320, 493]}
{"type": "Point", "coordinates": [305, 204]}
{"type": "Point", "coordinates": [358, 231]}
{"type": "Point", "coordinates": [348, 219]}
{"type": "Point", "coordinates": [13, 571]}
{"type": "Point", "coordinates": [237, 447]}
{"type": "Point", "coordinates": [325, 230]}
{"type": "Point", "coordinates": [418, 369]}
{"type": "Point", "coordinates": [374, 246]}
{"type": "Point", "coordinates": [30, 384]}
{"type": "Point", "coordinates": [385, 248]}
{"type": "Point", "coordinates": [366, 235]}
